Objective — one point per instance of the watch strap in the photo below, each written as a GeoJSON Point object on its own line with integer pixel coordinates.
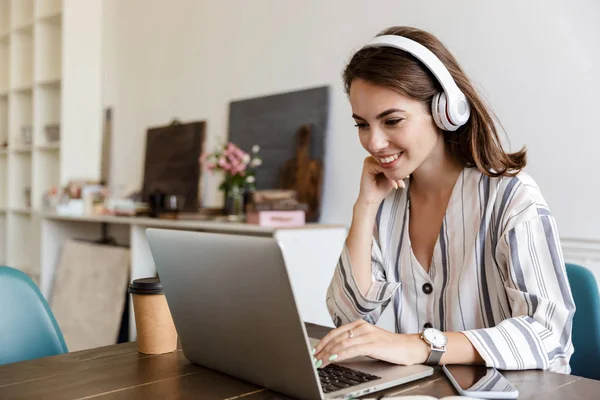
{"type": "Point", "coordinates": [435, 356]}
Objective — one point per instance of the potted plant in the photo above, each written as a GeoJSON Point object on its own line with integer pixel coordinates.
{"type": "Point", "coordinates": [239, 169]}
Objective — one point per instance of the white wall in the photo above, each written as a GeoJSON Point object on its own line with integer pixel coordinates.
{"type": "Point", "coordinates": [532, 60]}
{"type": "Point", "coordinates": [82, 90]}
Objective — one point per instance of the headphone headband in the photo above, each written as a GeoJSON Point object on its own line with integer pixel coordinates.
{"type": "Point", "coordinates": [455, 105]}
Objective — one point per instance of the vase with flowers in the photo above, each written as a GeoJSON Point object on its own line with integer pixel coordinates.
{"type": "Point", "coordinates": [239, 169]}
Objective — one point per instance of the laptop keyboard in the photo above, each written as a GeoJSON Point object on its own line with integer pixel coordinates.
{"type": "Point", "coordinates": [335, 377]}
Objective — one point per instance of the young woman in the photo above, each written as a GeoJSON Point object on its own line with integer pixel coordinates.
{"type": "Point", "coordinates": [464, 247]}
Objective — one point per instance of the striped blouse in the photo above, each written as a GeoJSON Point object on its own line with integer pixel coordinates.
{"type": "Point", "coordinates": [497, 274]}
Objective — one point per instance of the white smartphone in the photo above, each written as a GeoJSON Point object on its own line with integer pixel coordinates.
{"type": "Point", "coordinates": [480, 381]}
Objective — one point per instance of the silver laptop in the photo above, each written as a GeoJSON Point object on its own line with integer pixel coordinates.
{"type": "Point", "coordinates": [234, 310]}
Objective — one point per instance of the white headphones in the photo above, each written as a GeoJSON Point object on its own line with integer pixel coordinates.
{"type": "Point", "coordinates": [450, 108]}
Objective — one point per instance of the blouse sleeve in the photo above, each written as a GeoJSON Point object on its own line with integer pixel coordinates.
{"type": "Point", "coordinates": [345, 301]}
{"type": "Point", "coordinates": [538, 333]}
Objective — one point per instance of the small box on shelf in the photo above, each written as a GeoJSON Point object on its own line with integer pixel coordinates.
{"type": "Point", "coordinates": [276, 208]}
{"type": "Point", "coordinates": [73, 207]}
{"type": "Point", "coordinates": [277, 219]}
{"type": "Point", "coordinates": [52, 132]}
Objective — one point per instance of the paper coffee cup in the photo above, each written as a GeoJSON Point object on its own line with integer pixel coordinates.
{"type": "Point", "coordinates": [156, 332]}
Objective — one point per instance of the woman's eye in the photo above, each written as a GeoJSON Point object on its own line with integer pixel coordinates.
{"type": "Point", "coordinates": [360, 125]}
{"type": "Point", "coordinates": [393, 122]}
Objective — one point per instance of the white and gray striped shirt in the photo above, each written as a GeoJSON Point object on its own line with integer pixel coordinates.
{"type": "Point", "coordinates": [497, 274]}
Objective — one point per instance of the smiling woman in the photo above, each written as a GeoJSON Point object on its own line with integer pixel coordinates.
{"type": "Point", "coordinates": [465, 249]}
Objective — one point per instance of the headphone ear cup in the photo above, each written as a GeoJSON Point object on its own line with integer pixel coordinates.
{"type": "Point", "coordinates": [443, 114]}
{"type": "Point", "coordinates": [459, 112]}
{"type": "Point", "coordinates": [435, 111]}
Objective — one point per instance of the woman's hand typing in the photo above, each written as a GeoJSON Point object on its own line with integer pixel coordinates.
{"type": "Point", "coordinates": [360, 338]}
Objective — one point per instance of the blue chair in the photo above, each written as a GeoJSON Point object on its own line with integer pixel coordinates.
{"type": "Point", "coordinates": [28, 329]}
{"type": "Point", "coordinates": [586, 323]}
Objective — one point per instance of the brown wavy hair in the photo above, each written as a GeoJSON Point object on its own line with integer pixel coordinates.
{"type": "Point", "coordinates": [475, 144]}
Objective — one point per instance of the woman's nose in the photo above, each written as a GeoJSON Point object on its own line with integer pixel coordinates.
{"type": "Point", "coordinates": [377, 141]}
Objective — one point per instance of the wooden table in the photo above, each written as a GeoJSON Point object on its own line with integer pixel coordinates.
{"type": "Point", "coordinates": [120, 372]}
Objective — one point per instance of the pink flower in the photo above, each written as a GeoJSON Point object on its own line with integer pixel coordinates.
{"type": "Point", "coordinates": [210, 166]}
{"type": "Point", "coordinates": [240, 153]}
{"type": "Point", "coordinates": [222, 162]}
{"type": "Point", "coordinates": [234, 161]}
{"type": "Point", "coordinates": [238, 169]}
{"type": "Point", "coordinates": [232, 148]}
{"type": "Point", "coordinates": [203, 158]}
{"type": "Point", "coordinates": [232, 158]}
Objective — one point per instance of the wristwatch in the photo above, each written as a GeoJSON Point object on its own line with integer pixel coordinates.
{"type": "Point", "coordinates": [437, 340]}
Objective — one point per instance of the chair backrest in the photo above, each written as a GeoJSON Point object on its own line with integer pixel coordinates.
{"type": "Point", "coordinates": [28, 329]}
{"type": "Point", "coordinates": [586, 323]}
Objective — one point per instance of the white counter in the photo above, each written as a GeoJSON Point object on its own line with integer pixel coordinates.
{"type": "Point", "coordinates": [310, 252]}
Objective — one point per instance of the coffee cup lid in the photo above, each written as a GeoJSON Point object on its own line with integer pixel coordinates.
{"type": "Point", "coordinates": [146, 286]}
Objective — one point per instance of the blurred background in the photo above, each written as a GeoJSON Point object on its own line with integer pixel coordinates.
{"type": "Point", "coordinates": [93, 94]}
{"type": "Point", "coordinates": [534, 62]}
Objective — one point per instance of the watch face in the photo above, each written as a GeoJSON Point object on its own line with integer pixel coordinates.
{"type": "Point", "coordinates": [435, 337]}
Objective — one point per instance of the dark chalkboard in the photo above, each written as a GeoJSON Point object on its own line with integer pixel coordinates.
{"type": "Point", "coordinates": [272, 122]}
{"type": "Point", "coordinates": [171, 164]}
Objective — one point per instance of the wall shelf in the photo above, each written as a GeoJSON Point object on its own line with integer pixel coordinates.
{"type": "Point", "coordinates": [4, 25]}
{"type": "Point", "coordinates": [47, 9]}
{"type": "Point", "coordinates": [23, 211]}
{"type": "Point", "coordinates": [30, 98]}
{"type": "Point", "coordinates": [4, 65]}
{"type": "Point", "coordinates": [21, 149]}
{"type": "Point", "coordinates": [21, 12]}
{"type": "Point", "coordinates": [54, 18]}
{"type": "Point", "coordinates": [48, 147]}
{"type": "Point", "coordinates": [25, 28]}
{"type": "Point", "coordinates": [28, 87]}
{"type": "Point", "coordinates": [3, 187]}
{"type": "Point", "coordinates": [49, 82]}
